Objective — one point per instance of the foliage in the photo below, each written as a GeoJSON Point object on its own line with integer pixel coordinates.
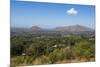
{"type": "Point", "coordinates": [39, 49]}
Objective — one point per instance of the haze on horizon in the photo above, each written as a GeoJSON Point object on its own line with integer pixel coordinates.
{"type": "Point", "coordinates": [50, 15]}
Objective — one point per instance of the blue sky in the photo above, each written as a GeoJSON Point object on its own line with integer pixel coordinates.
{"type": "Point", "coordinates": [50, 15]}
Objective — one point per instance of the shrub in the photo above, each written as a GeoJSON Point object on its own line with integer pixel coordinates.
{"type": "Point", "coordinates": [35, 50]}
{"type": "Point", "coordinates": [83, 49]}
{"type": "Point", "coordinates": [56, 55]}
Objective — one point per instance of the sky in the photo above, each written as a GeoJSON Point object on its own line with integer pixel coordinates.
{"type": "Point", "coordinates": [51, 15]}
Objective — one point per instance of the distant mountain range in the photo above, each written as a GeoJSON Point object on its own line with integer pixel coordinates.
{"type": "Point", "coordinates": [72, 28]}
{"type": "Point", "coordinates": [65, 30]}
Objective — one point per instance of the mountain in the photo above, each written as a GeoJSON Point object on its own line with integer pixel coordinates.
{"type": "Point", "coordinates": [35, 28]}
{"type": "Point", "coordinates": [74, 28]}
{"type": "Point", "coordinates": [15, 29]}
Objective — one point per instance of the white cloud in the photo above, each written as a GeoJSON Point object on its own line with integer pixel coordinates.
{"type": "Point", "coordinates": [72, 11]}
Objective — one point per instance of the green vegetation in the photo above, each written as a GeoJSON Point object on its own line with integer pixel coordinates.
{"type": "Point", "coordinates": [33, 50]}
